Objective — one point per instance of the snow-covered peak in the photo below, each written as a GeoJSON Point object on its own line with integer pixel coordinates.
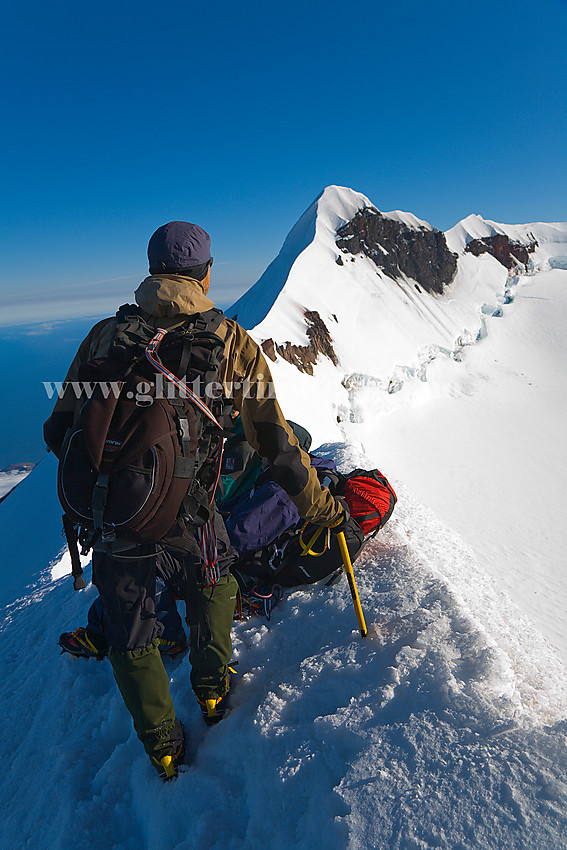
{"type": "Point", "coordinates": [408, 219]}
{"type": "Point", "coordinates": [315, 231]}
{"type": "Point", "coordinates": [550, 236]}
{"type": "Point", "coordinates": [330, 210]}
{"type": "Point", "coordinates": [472, 227]}
{"type": "Point", "coordinates": [369, 291]}
{"type": "Point", "coordinates": [335, 206]}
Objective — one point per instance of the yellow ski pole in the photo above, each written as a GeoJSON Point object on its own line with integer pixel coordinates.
{"type": "Point", "coordinates": [352, 583]}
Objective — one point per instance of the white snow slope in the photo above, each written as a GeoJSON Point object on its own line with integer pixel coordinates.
{"type": "Point", "coordinates": [445, 728]}
{"type": "Point", "coordinates": [9, 480]}
{"type": "Point", "coordinates": [461, 395]}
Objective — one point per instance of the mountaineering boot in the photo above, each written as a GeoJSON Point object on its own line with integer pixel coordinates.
{"type": "Point", "coordinates": [171, 753]}
{"type": "Point", "coordinates": [84, 644]}
{"type": "Point", "coordinates": [80, 644]}
{"type": "Point", "coordinates": [172, 648]}
{"type": "Point", "coordinates": [213, 705]}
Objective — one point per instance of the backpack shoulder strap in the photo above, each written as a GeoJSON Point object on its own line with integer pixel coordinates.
{"type": "Point", "coordinates": [209, 320]}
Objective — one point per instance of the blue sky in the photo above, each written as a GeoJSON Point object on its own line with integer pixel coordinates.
{"type": "Point", "coordinates": [120, 116]}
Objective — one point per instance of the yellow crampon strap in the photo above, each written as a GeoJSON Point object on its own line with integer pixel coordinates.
{"type": "Point", "coordinates": [306, 547]}
{"type": "Point", "coordinates": [211, 706]}
{"type": "Point", "coordinates": [168, 766]}
{"type": "Point", "coordinates": [85, 640]}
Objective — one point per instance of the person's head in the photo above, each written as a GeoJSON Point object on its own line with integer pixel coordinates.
{"type": "Point", "coordinates": [303, 436]}
{"type": "Point", "coordinates": [181, 248]}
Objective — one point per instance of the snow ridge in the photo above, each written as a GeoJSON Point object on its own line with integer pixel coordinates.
{"type": "Point", "coordinates": [551, 237]}
{"type": "Point", "coordinates": [333, 207]}
{"type": "Point", "coordinates": [447, 726]}
{"type": "Point", "coordinates": [436, 731]}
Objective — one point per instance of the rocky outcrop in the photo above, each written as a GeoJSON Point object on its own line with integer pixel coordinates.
{"type": "Point", "coordinates": [305, 356]}
{"type": "Point", "coordinates": [397, 249]}
{"type": "Point", "coordinates": [269, 349]}
{"type": "Point", "coordinates": [501, 247]}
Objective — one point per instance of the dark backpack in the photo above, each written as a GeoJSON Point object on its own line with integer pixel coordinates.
{"type": "Point", "coordinates": [142, 462]}
{"type": "Point", "coordinates": [261, 574]}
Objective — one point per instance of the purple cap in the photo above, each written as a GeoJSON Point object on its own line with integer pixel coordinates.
{"type": "Point", "coordinates": [178, 246]}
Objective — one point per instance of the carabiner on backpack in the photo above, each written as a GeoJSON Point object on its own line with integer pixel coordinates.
{"type": "Point", "coordinates": [307, 547]}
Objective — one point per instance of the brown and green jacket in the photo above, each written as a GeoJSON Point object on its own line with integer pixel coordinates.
{"type": "Point", "coordinates": [167, 300]}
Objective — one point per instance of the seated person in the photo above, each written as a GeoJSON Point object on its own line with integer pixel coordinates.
{"type": "Point", "coordinates": [263, 527]}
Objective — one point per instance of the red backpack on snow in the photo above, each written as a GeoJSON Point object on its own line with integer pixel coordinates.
{"type": "Point", "coordinates": [370, 498]}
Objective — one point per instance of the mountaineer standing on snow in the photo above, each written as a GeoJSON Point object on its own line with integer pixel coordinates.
{"type": "Point", "coordinates": [174, 298]}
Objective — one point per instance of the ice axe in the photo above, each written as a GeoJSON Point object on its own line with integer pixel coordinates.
{"type": "Point", "coordinates": [352, 583]}
{"type": "Point", "coordinates": [307, 550]}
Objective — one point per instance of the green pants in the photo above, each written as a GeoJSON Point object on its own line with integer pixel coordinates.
{"type": "Point", "coordinates": [144, 683]}
{"type": "Point", "coordinates": [209, 665]}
